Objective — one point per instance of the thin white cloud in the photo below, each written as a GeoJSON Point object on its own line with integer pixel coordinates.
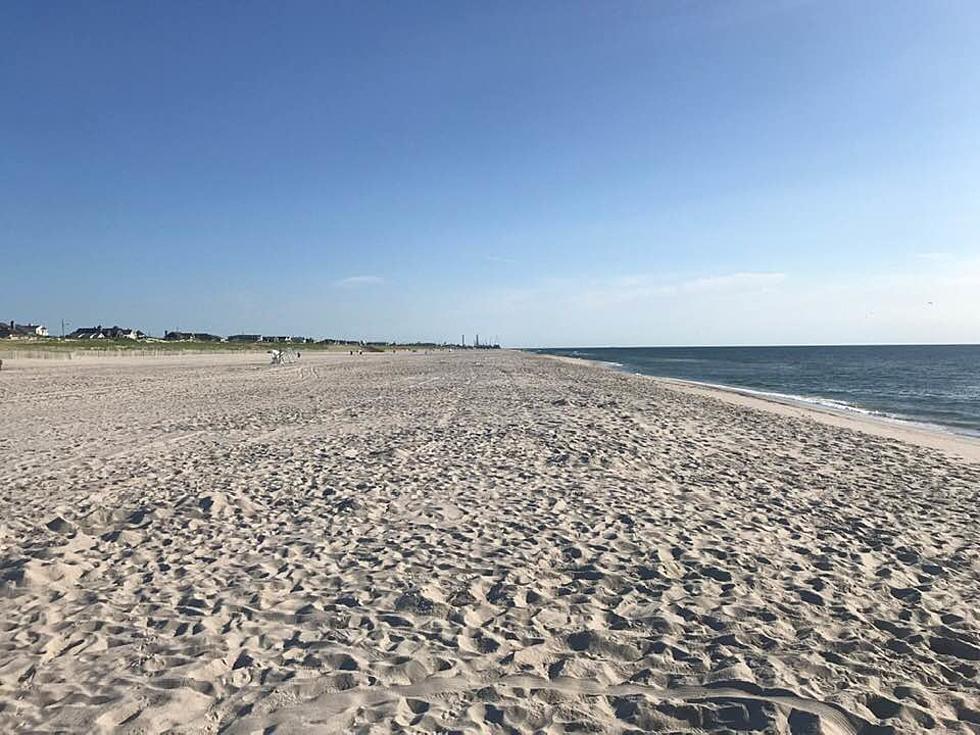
{"type": "Point", "coordinates": [628, 291]}
{"type": "Point", "coordinates": [938, 304]}
{"type": "Point", "coordinates": [353, 281]}
{"type": "Point", "coordinates": [624, 288]}
{"type": "Point", "coordinates": [732, 282]}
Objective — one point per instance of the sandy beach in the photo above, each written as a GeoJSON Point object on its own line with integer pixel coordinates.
{"type": "Point", "coordinates": [471, 542]}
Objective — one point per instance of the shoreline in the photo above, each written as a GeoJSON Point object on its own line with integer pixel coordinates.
{"type": "Point", "coordinates": [957, 445]}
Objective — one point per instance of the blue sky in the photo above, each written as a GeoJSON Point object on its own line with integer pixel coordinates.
{"type": "Point", "coordinates": [555, 173]}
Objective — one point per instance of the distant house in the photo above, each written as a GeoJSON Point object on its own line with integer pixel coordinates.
{"type": "Point", "coordinates": [11, 330]}
{"type": "Point", "coordinates": [88, 333]}
{"type": "Point", "coordinates": [191, 337]}
{"type": "Point", "coordinates": [280, 338]}
{"type": "Point", "coordinates": [123, 333]}
{"type": "Point", "coordinates": [245, 338]}
{"type": "Point", "coordinates": [101, 332]}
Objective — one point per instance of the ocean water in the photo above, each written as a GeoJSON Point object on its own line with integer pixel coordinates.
{"type": "Point", "coordinates": [938, 385]}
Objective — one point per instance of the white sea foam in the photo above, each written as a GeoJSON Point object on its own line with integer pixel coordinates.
{"type": "Point", "coordinates": [830, 404]}
{"type": "Point", "coordinates": [813, 401]}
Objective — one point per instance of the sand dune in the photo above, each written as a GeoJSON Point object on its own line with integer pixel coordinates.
{"type": "Point", "coordinates": [488, 542]}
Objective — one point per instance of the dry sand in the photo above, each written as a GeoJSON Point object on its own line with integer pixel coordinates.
{"type": "Point", "coordinates": [488, 542]}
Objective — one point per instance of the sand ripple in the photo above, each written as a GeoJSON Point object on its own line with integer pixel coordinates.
{"type": "Point", "coordinates": [470, 542]}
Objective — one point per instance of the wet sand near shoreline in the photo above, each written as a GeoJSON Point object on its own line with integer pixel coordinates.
{"type": "Point", "coordinates": [470, 541]}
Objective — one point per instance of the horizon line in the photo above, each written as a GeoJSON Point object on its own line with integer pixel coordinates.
{"type": "Point", "coordinates": [743, 346]}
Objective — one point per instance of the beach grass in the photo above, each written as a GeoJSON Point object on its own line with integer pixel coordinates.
{"type": "Point", "coordinates": [58, 347]}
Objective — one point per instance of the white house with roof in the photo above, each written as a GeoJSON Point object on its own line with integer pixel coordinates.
{"type": "Point", "coordinates": [13, 330]}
